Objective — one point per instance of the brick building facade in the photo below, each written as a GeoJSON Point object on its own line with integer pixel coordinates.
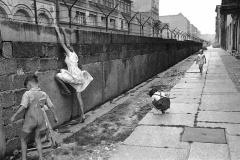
{"type": "Point", "coordinates": [84, 14]}
{"type": "Point", "coordinates": [228, 25]}
{"type": "Point", "coordinates": [23, 11]}
{"type": "Point", "coordinates": [148, 14]}
{"type": "Point", "coordinates": [180, 22]}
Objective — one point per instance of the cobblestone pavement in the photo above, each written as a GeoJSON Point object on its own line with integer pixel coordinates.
{"type": "Point", "coordinates": [203, 122]}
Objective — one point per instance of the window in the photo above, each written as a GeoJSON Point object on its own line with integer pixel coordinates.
{"type": "Point", "coordinates": [93, 19]}
{"type": "Point", "coordinates": [113, 23]}
{"type": "Point", "coordinates": [108, 3]}
{"type": "Point", "coordinates": [124, 7]}
{"type": "Point", "coordinates": [43, 19]}
{"type": "Point", "coordinates": [22, 16]}
{"type": "Point", "coordinates": [80, 17]}
{"type": "Point", "coordinates": [103, 19]}
{"type": "Point", "coordinates": [122, 24]}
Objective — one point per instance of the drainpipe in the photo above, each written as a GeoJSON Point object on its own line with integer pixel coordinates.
{"type": "Point", "coordinates": [57, 12]}
{"type": "Point", "coordinates": [35, 11]}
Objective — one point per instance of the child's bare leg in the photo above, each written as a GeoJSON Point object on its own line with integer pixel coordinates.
{"type": "Point", "coordinates": [38, 143]}
{"type": "Point", "coordinates": [63, 88]}
{"type": "Point", "coordinates": [24, 146]}
{"type": "Point", "coordinates": [81, 105]}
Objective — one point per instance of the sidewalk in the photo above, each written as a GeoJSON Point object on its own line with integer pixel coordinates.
{"type": "Point", "coordinates": [203, 122]}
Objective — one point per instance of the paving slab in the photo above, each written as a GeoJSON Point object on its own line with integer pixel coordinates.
{"type": "Point", "coordinates": [186, 100]}
{"type": "Point", "coordinates": [189, 85]}
{"type": "Point", "coordinates": [155, 136]}
{"type": "Point", "coordinates": [186, 91]}
{"type": "Point", "coordinates": [215, 89]}
{"type": "Point", "coordinates": [209, 151]}
{"type": "Point", "coordinates": [193, 75]}
{"type": "Point", "coordinates": [227, 102]}
{"type": "Point", "coordinates": [192, 80]}
{"type": "Point", "coordinates": [179, 95]}
{"type": "Point", "coordinates": [222, 117]}
{"type": "Point", "coordinates": [234, 146]}
{"type": "Point", "coordinates": [126, 152]}
{"type": "Point", "coordinates": [204, 135]}
{"type": "Point", "coordinates": [231, 129]}
{"type": "Point", "coordinates": [217, 76]}
{"type": "Point", "coordinates": [216, 71]}
{"type": "Point", "coordinates": [181, 108]}
{"type": "Point", "coordinates": [194, 94]}
{"type": "Point", "coordinates": [208, 81]}
{"type": "Point", "coordinates": [168, 119]}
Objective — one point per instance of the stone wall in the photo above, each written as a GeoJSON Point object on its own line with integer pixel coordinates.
{"type": "Point", "coordinates": [117, 63]}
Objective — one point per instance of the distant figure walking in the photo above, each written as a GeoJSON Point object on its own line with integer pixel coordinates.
{"type": "Point", "coordinates": [74, 76]}
{"type": "Point", "coordinates": [201, 60]}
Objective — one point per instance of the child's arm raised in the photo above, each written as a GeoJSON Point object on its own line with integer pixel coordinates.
{"type": "Point", "coordinates": [62, 40]}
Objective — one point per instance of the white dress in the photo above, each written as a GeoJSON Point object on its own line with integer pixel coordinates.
{"type": "Point", "coordinates": [201, 59]}
{"type": "Point", "coordinates": [74, 76]}
{"type": "Point", "coordinates": [158, 95]}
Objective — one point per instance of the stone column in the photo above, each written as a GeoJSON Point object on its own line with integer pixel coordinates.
{"type": "Point", "coordinates": [223, 31]}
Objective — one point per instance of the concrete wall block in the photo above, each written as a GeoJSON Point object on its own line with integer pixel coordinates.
{"type": "Point", "coordinates": [110, 71]}
{"type": "Point", "coordinates": [5, 83]}
{"type": "Point", "coordinates": [124, 76]}
{"type": "Point", "coordinates": [48, 64]}
{"type": "Point", "coordinates": [7, 49]}
{"type": "Point", "coordinates": [12, 131]}
{"type": "Point", "coordinates": [7, 66]}
{"type": "Point", "coordinates": [18, 96]}
{"type": "Point", "coordinates": [93, 95]}
{"type": "Point", "coordinates": [107, 38]}
{"type": "Point", "coordinates": [46, 34]}
{"type": "Point", "coordinates": [88, 59]}
{"type": "Point", "coordinates": [27, 50]}
{"type": "Point", "coordinates": [28, 64]}
{"type": "Point", "coordinates": [123, 53]}
{"type": "Point", "coordinates": [50, 50]}
{"type": "Point", "coordinates": [118, 38]}
{"type": "Point", "coordinates": [8, 113]}
{"type": "Point", "coordinates": [17, 81]}
{"type": "Point", "coordinates": [7, 99]}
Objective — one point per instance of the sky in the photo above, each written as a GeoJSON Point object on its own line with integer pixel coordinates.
{"type": "Point", "coordinates": [200, 13]}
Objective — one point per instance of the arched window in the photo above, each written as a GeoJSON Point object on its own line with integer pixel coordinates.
{"type": "Point", "coordinates": [3, 14]}
{"type": "Point", "coordinates": [43, 19]}
{"type": "Point", "coordinates": [22, 16]}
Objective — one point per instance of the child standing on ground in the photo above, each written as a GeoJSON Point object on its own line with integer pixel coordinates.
{"type": "Point", "coordinates": [201, 60]}
{"type": "Point", "coordinates": [34, 121]}
{"type": "Point", "coordinates": [160, 100]}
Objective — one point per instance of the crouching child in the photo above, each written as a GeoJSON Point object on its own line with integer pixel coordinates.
{"type": "Point", "coordinates": [160, 100]}
{"type": "Point", "coordinates": [34, 121]}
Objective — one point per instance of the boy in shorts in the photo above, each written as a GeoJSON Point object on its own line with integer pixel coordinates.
{"type": "Point", "coordinates": [34, 121]}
